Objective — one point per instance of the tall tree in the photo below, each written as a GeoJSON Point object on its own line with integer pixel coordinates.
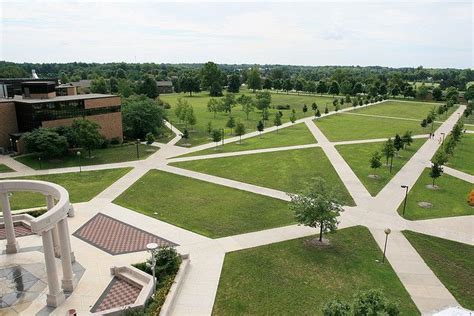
{"type": "Point", "coordinates": [321, 87]}
{"type": "Point", "coordinates": [388, 150]}
{"type": "Point", "coordinates": [375, 162]}
{"type": "Point", "coordinates": [267, 83]}
{"type": "Point", "coordinates": [234, 83]}
{"type": "Point", "coordinates": [277, 120]}
{"type": "Point", "coordinates": [358, 88]}
{"type": "Point", "coordinates": [317, 206]}
{"type": "Point", "coordinates": [407, 139]}
{"type": "Point", "coordinates": [398, 142]}
{"type": "Point", "coordinates": [211, 77]}
{"type": "Point", "coordinates": [149, 88]}
{"type": "Point", "coordinates": [213, 105]}
{"type": "Point", "coordinates": [334, 88]}
{"type": "Point", "coordinates": [263, 101]}
{"type": "Point", "coordinates": [253, 79]}
{"type": "Point", "coordinates": [189, 82]}
{"type": "Point", "coordinates": [437, 93]}
{"type": "Point", "coordinates": [230, 123]}
{"type": "Point", "coordinates": [87, 134]}
{"type": "Point", "coordinates": [140, 116]}
{"type": "Point", "coordinates": [287, 85]}
{"type": "Point", "coordinates": [247, 103]}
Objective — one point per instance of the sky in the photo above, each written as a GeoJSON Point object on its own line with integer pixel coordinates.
{"type": "Point", "coordinates": [385, 33]}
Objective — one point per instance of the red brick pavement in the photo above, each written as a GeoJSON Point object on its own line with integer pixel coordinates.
{"type": "Point", "coordinates": [116, 237]}
{"type": "Point", "coordinates": [118, 293]}
{"type": "Point", "coordinates": [20, 230]}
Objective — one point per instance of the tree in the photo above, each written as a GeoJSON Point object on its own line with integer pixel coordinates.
{"type": "Point", "coordinates": [46, 142]}
{"type": "Point", "coordinates": [99, 86]}
{"type": "Point", "coordinates": [437, 93]}
{"type": "Point", "coordinates": [239, 131]}
{"type": "Point", "coordinates": [120, 73]}
{"type": "Point", "coordinates": [452, 94]}
{"type": "Point", "coordinates": [407, 139]}
{"type": "Point", "coordinates": [125, 88]}
{"type": "Point", "coordinates": [260, 127]}
{"type": "Point", "coordinates": [150, 138]}
{"type": "Point", "coordinates": [228, 102]}
{"type": "Point", "coordinates": [299, 85]}
{"type": "Point", "coordinates": [87, 134]}
{"type": "Point", "coordinates": [305, 108]}
{"type": "Point", "coordinates": [293, 116]}
{"type": "Point", "coordinates": [326, 110]}
{"type": "Point", "coordinates": [215, 90]}
{"type": "Point", "coordinates": [436, 171]}
{"type": "Point", "coordinates": [388, 150]}
{"type": "Point", "coordinates": [113, 85]}
{"type": "Point", "coordinates": [230, 123]}
{"type": "Point", "coordinates": [398, 142]}
{"type": "Point", "coordinates": [334, 88]}
{"type": "Point", "coordinates": [234, 83]}
{"type": "Point", "coordinates": [185, 136]}
{"type": "Point", "coordinates": [346, 87]}
{"type": "Point", "coordinates": [358, 88]}
{"type": "Point", "coordinates": [211, 79]}
{"type": "Point", "coordinates": [317, 206]}
{"type": "Point", "coordinates": [395, 91]}
{"type": "Point", "coordinates": [468, 95]}
{"type": "Point", "coordinates": [140, 116]}
{"type": "Point", "coordinates": [373, 302]}
{"type": "Point", "coordinates": [318, 114]}
{"type": "Point", "coordinates": [190, 118]}
{"type": "Point", "coordinates": [149, 88]}
{"type": "Point", "coordinates": [422, 92]}
{"type": "Point", "coordinates": [263, 100]}
{"type": "Point", "coordinates": [287, 85]}
{"type": "Point", "coordinates": [382, 89]}
{"type": "Point", "coordinates": [314, 106]}
{"type": "Point", "coordinates": [247, 103]}
{"type": "Point", "coordinates": [209, 128]}
{"type": "Point", "coordinates": [321, 87]}
{"type": "Point", "coordinates": [267, 83]}
{"type": "Point", "coordinates": [216, 136]}
{"type": "Point", "coordinates": [424, 123]}
{"type": "Point", "coordinates": [189, 82]}
{"type": "Point", "coordinates": [375, 162]}
{"type": "Point", "coordinates": [408, 92]}
{"type": "Point", "coordinates": [277, 120]}
{"type": "Point", "coordinates": [253, 79]}
{"type": "Point", "coordinates": [213, 105]}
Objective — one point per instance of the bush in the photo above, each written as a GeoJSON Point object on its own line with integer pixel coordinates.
{"type": "Point", "coordinates": [46, 142]}
{"type": "Point", "coordinates": [371, 302]}
{"type": "Point", "coordinates": [115, 141]}
{"type": "Point", "coordinates": [283, 107]}
{"type": "Point", "coordinates": [150, 138]}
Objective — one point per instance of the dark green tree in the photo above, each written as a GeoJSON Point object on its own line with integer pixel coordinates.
{"type": "Point", "coordinates": [234, 83]}
{"type": "Point", "coordinates": [254, 80]}
{"type": "Point", "coordinates": [140, 116]}
{"type": "Point", "coordinates": [87, 134]}
{"type": "Point", "coordinates": [46, 142]}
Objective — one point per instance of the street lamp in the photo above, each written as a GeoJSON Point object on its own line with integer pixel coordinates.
{"type": "Point", "coordinates": [387, 232]}
{"type": "Point", "coordinates": [138, 153]}
{"type": "Point", "coordinates": [39, 159]}
{"type": "Point", "coordinates": [11, 144]}
{"type": "Point", "coordinates": [79, 155]}
{"type": "Point", "coordinates": [405, 201]}
{"type": "Point", "coordinates": [152, 248]}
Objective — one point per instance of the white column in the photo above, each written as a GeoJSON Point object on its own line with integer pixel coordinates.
{"type": "Point", "coordinates": [68, 276]}
{"type": "Point", "coordinates": [55, 296]}
{"type": "Point", "coordinates": [12, 244]}
{"type": "Point", "coordinates": [57, 250]}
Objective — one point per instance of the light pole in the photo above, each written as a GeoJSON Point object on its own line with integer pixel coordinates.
{"type": "Point", "coordinates": [39, 159]}
{"type": "Point", "coordinates": [405, 201]}
{"type": "Point", "coordinates": [11, 144]}
{"type": "Point", "coordinates": [138, 153]}
{"type": "Point", "coordinates": [152, 247]}
{"type": "Point", "coordinates": [79, 156]}
{"type": "Point", "coordinates": [387, 232]}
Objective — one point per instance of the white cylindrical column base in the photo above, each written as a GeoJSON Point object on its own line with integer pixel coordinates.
{"type": "Point", "coordinates": [12, 244]}
{"type": "Point", "coordinates": [68, 276]}
{"type": "Point", "coordinates": [55, 296]}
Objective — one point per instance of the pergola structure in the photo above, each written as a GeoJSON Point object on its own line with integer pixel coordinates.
{"type": "Point", "coordinates": [53, 228]}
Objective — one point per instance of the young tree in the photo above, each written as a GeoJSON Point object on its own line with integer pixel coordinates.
{"type": "Point", "coordinates": [318, 114]}
{"type": "Point", "coordinates": [216, 136]}
{"type": "Point", "coordinates": [407, 139]}
{"type": "Point", "coordinates": [317, 206]}
{"type": "Point", "coordinates": [215, 90]}
{"type": "Point", "coordinates": [334, 88]}
{"type": "Point", "coordinates": [46, 142]}
{"type": "Point", "coordinates": [277, 120]}
{"type": "Point", "coordinates": [375, 162]}
{"type": "Point", "coordinates": [388, 150]}
{"type": "Point", "coordinates": [262, 102]}
{"type": "Point", "coordinates": [435, 171]}
{"type": "Point", "coordinates": [213, 105]}
{"type": "Point", "coordinates": [305, 108]}
{"type": "Point", "coordinates": [314, 106]}
{"type": "Point", "coordinates": [321, 87]}
{"type": "Point", "coordinates": [185, 136]}
{"type": "Point", "coordinates": [260, 127]}
{"type": "Point", "coordinates": [190, 118]}
{"type": "Point", "coordinates": [209, 128]}
{"type": "Point", "coordinates": [234, 83]}
{"type": "Point", "coordinates": [253, 79]}
{"type": "Point", "coordinates": [148, 87]}
{"type": "Point", "coordinates": [326, 110]}
{"type": "Point", "coordinates": [228, 102]}
{"type": "Point", "coordinates": [230, 123]}
{"type": "Point", "coordinates": [150, 138]}
{"type": "Point", "coordinates": [293, 116]}
{"type": "Point", "coordinates": [87, 134]}
{"type": "Point", "coordinates": [437, 93]}
{"type": "Point", "coordinates": [239, 131]}
{"type": "Point", "coordinates": [398, 142]}
{"type": "Point", "coordinates": [247, 103]}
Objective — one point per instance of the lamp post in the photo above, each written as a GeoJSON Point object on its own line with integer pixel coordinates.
{"type": "Point", "coordinates": [11, 144]}
{"type": "Point", "coordinates": [16, 145]}
{"type": "Point", "coordinates": [387, 232]}
{"type": "Point", "coordinates": [152, 247]}
{"type": "Point", "coordinates": [138, 153]}
{"type": "Point", "coordinates": [405, 201]}
{"type": "Point", "coordinates": [79, 156]}
{"type": "Point", "coordinates": [39, 159]}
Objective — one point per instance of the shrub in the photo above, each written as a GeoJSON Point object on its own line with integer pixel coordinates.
{"type": "Point", "coordinates": [150, 138]}
{"type": "Point", "coordinates": [115, 141]}
{"type": "Point", "coordinates": [46, 142]}
{"type": "Point", "coordinates": [283, 107]}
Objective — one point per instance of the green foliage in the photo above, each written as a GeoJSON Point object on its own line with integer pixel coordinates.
{"type": "Point", "coordinates": [46, 142]}
{"type": "Point", "coordinates": [99, 86]}
{"type": "Point", "coordinates": [293, 116]}
{"type": "Point", "coordinates": [336, 308]}
{"type": "Point", "coordinates": [437, 93]}
{"type": "Point", "coordinates": [148, 87]}
{"type": "Point", "coordinates": [140, 116]}
{"type": "Point", "coordinates": [436, 171]}
{"type": "Point", "coordinates": [230, 123]}
{"type": "Point", "coordinates": [263, 100]}
{"type": "Point", "coordinates": [375, 162]}
{"type": "Point", "coordinates": [334, 88]}
{"type": "Point", "coordinates": [398, 142]}
{"type": "Point", "coordinates": [150, 138]}
{"type": "Point", "coordinates": [247, 103]}
{"type": "Point", "coordinates": [260, 126]}
{"type": "Point", "coordinates": [227, 103]}
{"type": "Point", "coordinates": [240, 130]}
{"type": "Point", "coordinates": [189, 82]}
{"type": "Point", "coordinates": [305, 108]}
{"type": "Point", "coordinates": [253, 79]}
{"type": "Point", "coordinates": [234, 83]}
{"type": "Point", "coordinates": [407, 139]}
{"type": "Point", "coordinates": [277, 120]}
{"type": "Point", "coordinates": [213, 105]}
{"type": "Point", "coordinates": [388, 149]}
{"type": "Point", "coordinates": [87, 134]}
{"type": "Point", "coordinates": [215, 90]}
{"type": "Point", "coordinates": [216, 135]}
{"type": "Point", "coordinates": [210, 78]}
{"type": "Point", "coordinates": [317, 206]}
{"type": "Point", "coordinates": [374, 302]}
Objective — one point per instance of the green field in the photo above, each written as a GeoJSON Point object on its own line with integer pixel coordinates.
{"type": "Point", "coordinates": [291, 278]}
{"type": "Point", "coordinates": [5, 168]}
{"type": "Point", "coordinates": [198, 134]}
{"type": "Point", "coordinates": [341, 127]}
{"type": "Point", "coordinates": [469, 127]}
{"type": "Point", "coordinates": [205, 208]}
{"type": "Point", "coordinates": [286, 170]}
{"type": "Point", "coordinates": [449, 200]}
{"type": "Point", "coordinates": [99, 156]}
{"type": "Point", "coordinates": [358, 157]}
{"type": "Point", "coordinates": [463, 158]}
{"type": "Point", "coordinates": [452, 262]}
{"type": "Point", "coordinates": [82, 186]}
{"type": "Point", "coordinates": [413, 110]}
{"type": "Point", "coordinates": [289, 136]}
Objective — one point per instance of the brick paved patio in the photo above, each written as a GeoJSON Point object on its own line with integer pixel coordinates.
{"type": "Point", "coordinates": [21, 230]}
{"type": "Point", "coordinates": [116, 237]}
{"type": "Point", "coordinates": [118, 293]}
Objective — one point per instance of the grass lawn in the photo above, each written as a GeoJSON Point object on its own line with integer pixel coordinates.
{"type": "Point", "coordinates": [99, 156]}
{"type": "Point", "coordinates": [449, 200]}
{"type": "Point", "coordinates": [452, 262]}
{"type": "Point", "coordinates": [289, 136]}
{"type": "Point", "coordinates": [286, 170]}
{"type": "Point", "coordinates": [469, 127]}
{"type": "Point", "coordinates": [198, 134]}
{"type": "Point", "coordinates": [82, 186]}
{"type": "Point", "coordinates": [463, 158]}
{"type": "Point", "coordinates": [358, 156]}
{"type": "Point", "coordinates": [5, 168]}
{"type": "Point", "coordinates": [414, 110]}
{"type": "Point", "coordinates": [205, 208]}
{"type": "Point", "coordinates": [342, 127]}
{"type": "Point", "coordinates": [291, 278]}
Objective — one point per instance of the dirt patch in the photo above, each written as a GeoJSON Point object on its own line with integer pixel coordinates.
{"type": "Point", "coordinates": [432, 187]}
{"type": "Point", "coordinates": [315, 243]}
{"type": "Point", "coordinates": [424, 204]}
{"type": "Point", "coordinates": [373, 176]}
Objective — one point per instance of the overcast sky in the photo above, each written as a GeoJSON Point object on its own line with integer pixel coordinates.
{"type": "Point", "coordinates": [409, 33]}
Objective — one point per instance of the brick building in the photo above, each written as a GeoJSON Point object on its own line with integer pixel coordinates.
{"type": "Point", "coordinates": [40, 106]}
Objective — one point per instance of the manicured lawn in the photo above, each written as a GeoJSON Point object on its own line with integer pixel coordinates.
{"type": "Point", "coordinates": [290, 136]}
{"type": "Point", "coordinates": [285, 170]}
{"type": "Point", "coordinates": [449, 200]}
{"type": "Point", "coordinates": [82, 186]}
{"type": "Point", "coordinates": [205, 208]}
{"type": "Point", "coordinates": [452, 262]}
{"type": "Point", "coordinates": [469, 127]}
{"type": "Point", "coordinates": [463, 158]}
{"type": "Point", "coordinates": [291, 278]}
{"type": "Point", "coordinates": [342, 127]}
{"type": "Point", "coordinates": [403, 109]}
{"type": "Point", "coordinates": [99, 156]}
{"type": "Point", "coordinates": [5, 168]}
{"type": "Point", "coordinates": [198, 134]}
{"type": "Point", "coordinates": [358, 157]}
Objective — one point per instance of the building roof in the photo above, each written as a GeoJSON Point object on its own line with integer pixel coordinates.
{"type": "Point", "coordinates": [38, 82]}
{"type": "Point", "coordinates": [64, 98]}
{"type": "Point", "coordinates": [164, 83]}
